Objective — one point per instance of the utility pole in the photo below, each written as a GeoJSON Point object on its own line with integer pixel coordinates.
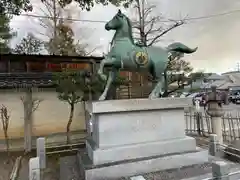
{"type": "Point", "coordinates": [238, 66]}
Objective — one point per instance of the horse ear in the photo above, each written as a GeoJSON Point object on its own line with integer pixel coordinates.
{"type": "Point", "coordinates": [119, 11]}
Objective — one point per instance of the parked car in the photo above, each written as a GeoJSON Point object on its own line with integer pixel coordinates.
{"type": "Point", "coordinates": [199, 96]}
{"type": "Point", "coordinates": [184, 94]}
{"type": "Point", "coordinates": [234, 97]}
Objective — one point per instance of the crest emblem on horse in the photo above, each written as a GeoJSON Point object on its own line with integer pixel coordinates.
{"type": "Point", "coordinates": [127, 56]}
{"type": "Point", "coordinates": [141, 58]}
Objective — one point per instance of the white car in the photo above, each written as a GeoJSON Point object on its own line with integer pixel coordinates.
{"type": "Point", "coordinates": [197, 97]}
{"type": "Point", "coordinates": [184, 94]}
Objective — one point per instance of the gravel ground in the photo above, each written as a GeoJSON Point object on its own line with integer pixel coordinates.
{"type": "Point", "coordinates": [6, 164]}
{"type": "Point", "coordinates": [69, 171]}
{"type": "Point", "coordinates": [69, 168]}
{"type": "Point", "coordinates": [50, 173]}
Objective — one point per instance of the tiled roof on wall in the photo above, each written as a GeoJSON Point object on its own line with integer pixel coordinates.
{"type": "Point", "coordinates": [21, 80]}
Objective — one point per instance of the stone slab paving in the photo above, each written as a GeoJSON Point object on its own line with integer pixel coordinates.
{"type": "Point", "coordinates": [69, 168]}
{"type": "Point", "coordinates": [69, 171]}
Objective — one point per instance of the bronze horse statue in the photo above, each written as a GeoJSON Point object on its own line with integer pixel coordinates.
{"type": "Point", "coordinates": [128, 56]}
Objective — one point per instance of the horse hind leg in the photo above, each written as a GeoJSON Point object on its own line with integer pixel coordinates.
{"type": "Point", "coordinates": [111, 77]}
{"type": "Point", "coordinates": [157, 91]}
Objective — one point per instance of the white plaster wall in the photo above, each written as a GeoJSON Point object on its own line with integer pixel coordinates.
{"type": "Point", "coordinates": [51, 116]}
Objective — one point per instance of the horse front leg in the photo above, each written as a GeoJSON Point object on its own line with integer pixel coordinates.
{"type": "Point", "coordinates": [111, 78]}
{"type": "Point", "coordinates": [157, 91]}
{"type": "Point", "coordinates": [100, 70]}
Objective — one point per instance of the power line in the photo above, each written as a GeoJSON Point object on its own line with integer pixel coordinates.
{"type": "Point", "coordinates": [69, 19]}
{"type": "Point", "coordinates": [215, 15]}
{"type": "Point", "coordinates": [100, 21]}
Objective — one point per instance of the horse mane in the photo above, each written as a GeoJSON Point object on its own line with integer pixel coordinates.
{"type": "Point", "coordinates": [129, 28]}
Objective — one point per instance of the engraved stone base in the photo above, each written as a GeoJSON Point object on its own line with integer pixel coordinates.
{"type": "Point", "coordinates": [120, 153]}
{"type": "Point", "coordinates": [137, 136]}
{"type": "Point", "coordinates": [140, 165]}
{"type": "Point", "coordinates": [133, 121]}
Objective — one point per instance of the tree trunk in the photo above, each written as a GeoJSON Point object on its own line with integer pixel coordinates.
{"type": "Point", "coordinates": [28, 106]}
{"type": "Point", "coordinates": [165, 94]}
{"type": "Point", "coordinates": [7, 142]}
{"type": "Point", "coordinates": [54, 26]}
{"type": "Point", "coordinates": [70, 122]}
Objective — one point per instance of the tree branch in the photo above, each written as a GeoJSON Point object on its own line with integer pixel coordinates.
{"type": "Point", "coordinates": [177, 24]}
{"type": "Point", "coordinates": [148, 10]}
{"type": "Point", "coordinates": [36, 103]}
{"type": "Point", "coordinates": [151, 29]}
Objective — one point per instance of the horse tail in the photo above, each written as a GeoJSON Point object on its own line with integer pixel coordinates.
{"type": "Point", "coordinates": [179, 47]}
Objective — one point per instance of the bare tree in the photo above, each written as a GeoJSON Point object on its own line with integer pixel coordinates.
{"type": "Point", "coordinates": [5, 123]}
{"type": "Point", "coordinates": [29, 45]}
{"type": "Point", "coordinates": [59, 16]}
{"type": "Point", "coordinates": [150, 28]}
{"type": "Point", "coordinates": [30, 105]}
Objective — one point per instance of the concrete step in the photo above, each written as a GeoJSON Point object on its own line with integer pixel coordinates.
{"type": "Point", "coordinates": [138, 166]}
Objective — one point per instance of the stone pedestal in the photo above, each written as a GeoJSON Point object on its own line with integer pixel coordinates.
{"type": "Point", "coordinates": [138, 136]}
{"type": "Point", "coordinates": [216, 114]}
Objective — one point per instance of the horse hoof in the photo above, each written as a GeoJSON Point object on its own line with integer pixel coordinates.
{"type": "Point", "coordinates": [152, 97]}
{"type": "Point", "coordinates": [101, 98]}
{"type": "Point", "coordinates": [103, 77]}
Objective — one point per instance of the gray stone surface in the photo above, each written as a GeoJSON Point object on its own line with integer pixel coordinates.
{"type": "Point", "coordinates": [119, 129]}
{"type": "Point", "coordinates": [213, 144]}
{"type": "Point", "coordinates": [138, 136]}
{"type": "Point", "coordinates": [41, 152]}
{"type": "Point", "coordinates": [34, 169]}
{"type": "Point", "coordinates": [123, 105]}
{"type": "Point", "coordinates": [69, 168]}
{"type": "Point", "coordinates": [180, 173]}
{"type": "Point", "coordinates": [119, 153]}
{"type": "Point", "coordinates": [145, 121]}
{"type": "Point", "coordinates": [221, 170]}
{"type": "Point", "coordinates": [140, 166]}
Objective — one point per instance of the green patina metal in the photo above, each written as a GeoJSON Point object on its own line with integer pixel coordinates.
{"type": "Point", "coordinates": [128, 56]}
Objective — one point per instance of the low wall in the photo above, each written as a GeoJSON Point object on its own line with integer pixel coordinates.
{"type": "Point", "coordinates": [50, 117]}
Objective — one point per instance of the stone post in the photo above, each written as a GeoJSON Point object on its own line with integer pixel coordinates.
{"type": "Point", "coordinates": [215, 110]}
{"type": "Point", "coordinates": [198, 114]}
{"type": "Point", "coordinates": [34, 169]}
{"type": "Point", "coordinates": [41, 152]}
{"type": "Point", "coordinates": [220, 170]}
{"type": "Point", "coordinates": [212, 144]}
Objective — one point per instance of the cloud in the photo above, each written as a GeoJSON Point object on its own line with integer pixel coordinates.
{"type": "Point", "coordinates": [217, 38]}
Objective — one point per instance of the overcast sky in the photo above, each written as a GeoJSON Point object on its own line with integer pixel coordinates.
{"type": "Point", "coordinates": [218, 38]}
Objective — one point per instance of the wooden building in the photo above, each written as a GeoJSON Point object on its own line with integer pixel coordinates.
{"type": "Point", "coordinates": [20, 71]}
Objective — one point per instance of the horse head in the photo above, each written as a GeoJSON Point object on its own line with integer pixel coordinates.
{"type": "Point", "coordinates": [116, 22]}
{"type": "Point", "coordinates": [122, 25]}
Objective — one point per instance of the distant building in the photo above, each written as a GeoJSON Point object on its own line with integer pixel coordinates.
{"type": "Point", "coordinates": [225, 81]}
{"type": "Point", "coordinates": [198, 83]}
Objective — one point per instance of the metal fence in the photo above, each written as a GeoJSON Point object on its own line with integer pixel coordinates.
{"type": "Point", "coordinates": [199, 123]}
